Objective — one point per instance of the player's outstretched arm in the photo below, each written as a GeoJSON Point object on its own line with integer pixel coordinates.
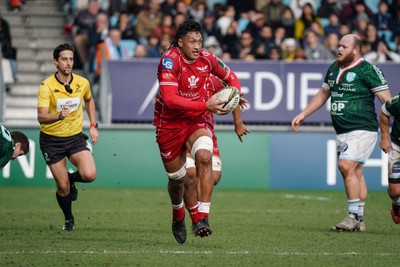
{"type": "Point", "coordinates": [316, 103]}
{"type": "Point", "coordinates": [384, 124]}
{"type": "Point", "coordinates": [240, 128]}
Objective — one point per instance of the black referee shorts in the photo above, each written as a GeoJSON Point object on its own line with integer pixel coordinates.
{"type": "Point", "coordinates": [56, 148]}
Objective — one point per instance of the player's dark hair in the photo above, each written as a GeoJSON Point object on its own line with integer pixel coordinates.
{"type": "Point", "coordinates": [60, 48]}
{"type": "Point", "coordinates": [20, 137]}
{"type": "Point", "coordinates": [187, 26]}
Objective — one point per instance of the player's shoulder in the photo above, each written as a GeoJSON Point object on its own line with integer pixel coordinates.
{"type": "Point", "coordinates": [47, 82]}
{"type": "Point", "coordinates": [207, 54]}
{"type": "Point", "coordinates": [169, 59]}
{"type": "Point", "coordinates": [366, 66]}
{"type": "Point", "coordinates": [78, 78]}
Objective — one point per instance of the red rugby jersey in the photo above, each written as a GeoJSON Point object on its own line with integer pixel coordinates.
{"type": "Point", "coordinates": [185, 86]}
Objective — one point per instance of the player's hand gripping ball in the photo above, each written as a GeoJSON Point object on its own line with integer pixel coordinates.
{"type": "Point", "coordinates": [231, 96]}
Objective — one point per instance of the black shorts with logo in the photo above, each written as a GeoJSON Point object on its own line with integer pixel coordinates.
{"type": "Point", "coordinates": [56, 148]}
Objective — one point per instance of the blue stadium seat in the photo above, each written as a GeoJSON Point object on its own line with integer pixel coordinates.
{"type": "Point", "coordinates": [130, 45]}
{"type": "Point", "coordinates": [388, 36]}
{"type": "Point", "coordinates": [373, 5]}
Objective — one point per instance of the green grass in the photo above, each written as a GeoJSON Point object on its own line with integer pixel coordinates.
{"type": "Point", "coordinates": [131, 227]}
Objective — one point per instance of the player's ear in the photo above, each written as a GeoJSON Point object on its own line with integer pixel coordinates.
{"type": "Point", "coordinates": [180, 42]}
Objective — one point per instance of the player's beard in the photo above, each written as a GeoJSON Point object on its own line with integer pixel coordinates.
{"type": "Point", "coordinates": [346, 61]}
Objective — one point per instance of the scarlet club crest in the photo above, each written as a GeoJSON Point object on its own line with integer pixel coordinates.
{"type": "Point", "coordinates": [350, 76]}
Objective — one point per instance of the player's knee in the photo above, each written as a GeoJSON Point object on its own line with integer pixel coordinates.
{"type": "Point", "coordinates": [89, 176]}
{"type": "Point", "coordinates": [178, 174]}
{"type": "Point", "coordinates": [202, 144]}
{"type": "Point", "coordinates": [394, 190]}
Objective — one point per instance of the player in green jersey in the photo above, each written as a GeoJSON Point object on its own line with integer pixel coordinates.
{"type": "Point", "coordinates": [352, 84]}
{"type": "Point", "coordinates": [12, 145]}
{"type": "Point", "coordinates": [391, 144]}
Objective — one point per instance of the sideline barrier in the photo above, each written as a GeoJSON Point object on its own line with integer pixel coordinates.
{"type": "Point", "coordinates": [277, 91]}
{"type": "Point", "coordinates": [265, 160]}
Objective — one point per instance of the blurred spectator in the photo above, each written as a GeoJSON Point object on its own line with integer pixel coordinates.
{"type": "Point", "coordinates": [352, 9]}
{"type": "Point", "coordinates": [225, 21]}
{"type": "Point", "coordinates": [327, 8]}
{"type": "Point", "coordinates": [134, 6]}
{"type": "Point", "coordinates": [198, 9]}
{"type": "Point", "coordinates": [116, 7]}
{"type": "Point", "coordinates": [182, 8]}
{"type": "Point", "coordinates": [360, 25]}
{"type": "Point", "coordinates": [288, 49]}
{"type": "Point", "coordinates": [343, 30]}
{"type": "Point", "coordinates": [140, 51]}
{"type": "Point", "coordinates": [331, 42]}
{"type": "Point", "coordinates": [166, 27]}
{"type": "Point", "coordinates": [372, 36]}
{"type": "Point", "coordinates": [314, 50]}
{"type": "Point", "coordinates": [260, 4]}
{"type": "Point", "coordinates": [230, 40]}
{"type": "Point", "coordinates": [274, 54]}
{"type": "Point", "coordinates": [218, 10]}
{"type": "Point", "coordinates": [365, 48]}
{"type": "Point", "coordinates": [299, 54]}
{"type": "Point", "coordinates": [279, 36]}
{"type": "Point", "coordinates": [211, 44]}
{"type": "Point", "coordinates": [318, 28]}
{"type": "Point", "coordinates": [126, 26]}
{"type": "Point", "coordinates": [179, 19]}
{"type": "Point", "coordinates": [382, 54]}
{"type": "Point", "coordinates": [287, 20]}
{"type": "Point", "coordinates": [148, 20]}
{"type": "Point", "coordinates": [241, 6]}
{"type": "Point", "coordinates": [247, 45]}
{"type": "Point", "coordinates": [210, 28]}
{"type": "Point", "coordinates": [84, 20]}
{"type": "Point", "coordinates": [304, 23]}
{"type": "Point", "coordinates": [111, 49]}
{"type": "Point", "coordinates": [158, 46]}
{"type": "Point", "coordinates": [168, 7]}
{"type": "Point", "coordinates": [212, 3]}
{"type": "Point", "coordinates": [97, 34]}
{"type": "Point", "coordinates": [9, 61]}
{"type": "Point", "coordinates": [383, 19]}
{"type": "Point", "coordinates": [297, 7]}
{"type": "Point", "coordinates": [257, 21]}
{"type": "Point", "coordinates": [272, 12]}
{"type": "Point", "coordinates": [264, 46]}
{"type": "Point", "coordinates": [333, 25]}
{"type": "Point", "coordinates": [16, 5]}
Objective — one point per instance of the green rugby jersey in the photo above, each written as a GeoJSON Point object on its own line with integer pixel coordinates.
{"type": "Point", "coordinates": [6, 146]}
{"type": "Point", "coordinates": [392, 108]}
{"type": "Point", "coordinates": [353, 92]}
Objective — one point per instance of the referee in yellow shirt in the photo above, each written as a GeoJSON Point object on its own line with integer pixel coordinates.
{"type": "Point", "coordinates": [60, 114]}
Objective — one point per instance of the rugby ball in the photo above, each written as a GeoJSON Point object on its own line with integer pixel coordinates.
{"type": "Point", "coordinates": [231, 96]}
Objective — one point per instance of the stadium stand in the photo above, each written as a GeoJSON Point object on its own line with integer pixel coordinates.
{"type": "Point", "coordinates": [36, 29]}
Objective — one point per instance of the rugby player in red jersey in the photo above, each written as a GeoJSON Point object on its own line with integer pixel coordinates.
{"type": "Point", "coordinates": [183, 123]}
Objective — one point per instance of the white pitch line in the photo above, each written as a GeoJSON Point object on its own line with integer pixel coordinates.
{"type": "Point", "coordinates": [306, 197]}
{"type": "Point", "coordinates": [206, 252]}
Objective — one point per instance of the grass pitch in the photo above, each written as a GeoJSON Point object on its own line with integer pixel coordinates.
{"type": "Point", "coordinates": [132, 227]}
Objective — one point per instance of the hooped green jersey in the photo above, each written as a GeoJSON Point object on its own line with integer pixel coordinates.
{"type": "Point", "coordinates": [353, 91]}
{"type": "Point", "coordinates": [392, 108]}
{"type": "Point", "coordinates": [6, 146]}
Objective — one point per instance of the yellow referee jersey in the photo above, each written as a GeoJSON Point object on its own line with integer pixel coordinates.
{"type": "Point", "coordinates": [52, 94]}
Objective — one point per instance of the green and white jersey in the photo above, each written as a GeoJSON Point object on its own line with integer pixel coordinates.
{"type": "Point", "coordinates": [6, 146]}
{"type": "Point", "coordinates": [353, 92]}
{"type": "Point", "coordinates": [392, 108]}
